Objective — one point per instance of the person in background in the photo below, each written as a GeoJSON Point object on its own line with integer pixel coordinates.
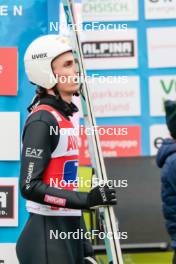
{"type": "Point", "coordinates": [166, 161]}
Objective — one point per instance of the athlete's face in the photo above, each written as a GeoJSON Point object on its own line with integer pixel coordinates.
{"type": "Point", "coordinates": [64, 68]}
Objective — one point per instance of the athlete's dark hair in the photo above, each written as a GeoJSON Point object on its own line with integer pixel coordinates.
{"type": "Point", "coordinates": [41, 92]}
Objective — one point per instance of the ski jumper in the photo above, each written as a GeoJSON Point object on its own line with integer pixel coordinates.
{"type": "Point", "coordinates": [48, 172]}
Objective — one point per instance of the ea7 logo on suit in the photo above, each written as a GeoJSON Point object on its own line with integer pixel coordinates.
{"type": "Point", "coordinates": [34, 153]}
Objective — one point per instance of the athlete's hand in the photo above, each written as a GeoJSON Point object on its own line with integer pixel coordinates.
{"type": "Point", "coordinates": [90, 260]}
{"type": "Point", "coordinates": [101, 196]}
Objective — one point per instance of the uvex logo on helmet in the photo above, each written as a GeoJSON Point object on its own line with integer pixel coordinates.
{"type": "Point", "coordinates": [39, 56]}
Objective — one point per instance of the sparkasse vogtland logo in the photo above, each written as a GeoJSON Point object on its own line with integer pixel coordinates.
{"type": "Point", "coordinates": [108, 49]}
{"type": "Point", "coordinates": [6, 201]}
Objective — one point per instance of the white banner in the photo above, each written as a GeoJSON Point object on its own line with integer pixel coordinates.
{"type": "Point", "coordinates": [161, 47]}
{"type": "Point", "coordinates": [107, 49]}
{"type": "Point", "coordinates": [8, 201]}
{"type": "Point", "coordinates": [8, 253]}
{"type": "Point", "coordinates": [161, 88]}
{"type": "Point", "coordinates": [160, 9]}
{"type": "Point", "coordinates": [157, 134]}
{"type": "Point", "coordinates": [109, 10]}
{"type": "Point", "coordinates": [116, 96]}
{"type": "Point", "coordinates": [10, 136]}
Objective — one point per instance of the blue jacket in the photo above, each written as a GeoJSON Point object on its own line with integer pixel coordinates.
{"type": "Point", "coordinates": [166, 160]}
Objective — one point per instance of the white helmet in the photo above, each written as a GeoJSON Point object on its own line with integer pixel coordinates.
{"type": "Point", "coordinates": [40, 54]}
